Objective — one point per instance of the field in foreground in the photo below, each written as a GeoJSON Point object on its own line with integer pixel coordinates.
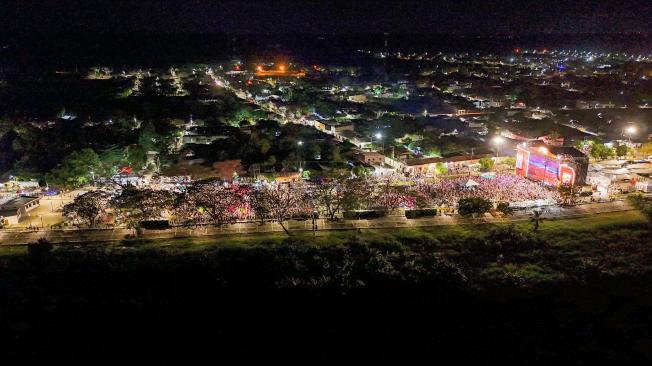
{"type": "Point", "coordinates": [578, 290]}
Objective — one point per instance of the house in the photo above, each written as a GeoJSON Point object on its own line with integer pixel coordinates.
{"type": "Point", "coordinates": [371, 157]}
{"type": "Point", "coordinates": [338, 128]}
{"type": "Point", "coordinates": [428, 166]}
{"type": "Point", "coordinates": [358, 98]}
{"type": "Point", "coordinates": [21, 185]}
{"type": "Point", "coordinates": [13, 210]}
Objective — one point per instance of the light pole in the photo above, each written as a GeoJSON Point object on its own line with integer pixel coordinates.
{"type": "Point", "coordinates": [299, 144]}
{"type": "Point", "coordinates": [379, 136]}
{"type": "Point", "coordinates": [630, 130]}
{"type": "Point", "coordinates": [497, 141]}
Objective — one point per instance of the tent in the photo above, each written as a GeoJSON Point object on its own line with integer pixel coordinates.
{"type": "Point", "coordinates": [471, 183]}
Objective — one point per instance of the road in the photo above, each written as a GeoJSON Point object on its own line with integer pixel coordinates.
{"type": "Point", "coordinates": [81, 236]}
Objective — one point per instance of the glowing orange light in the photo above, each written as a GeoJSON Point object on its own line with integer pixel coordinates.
{"type": "Point", "coordinates": [259, 68]}
{"type": "Point", "coordinates": [249, 82]}
{"type": "Point", "coordinates": [282, 68]}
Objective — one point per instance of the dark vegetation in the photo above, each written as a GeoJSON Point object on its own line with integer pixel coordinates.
{"type": "Point", "coordinates": [505, 293]}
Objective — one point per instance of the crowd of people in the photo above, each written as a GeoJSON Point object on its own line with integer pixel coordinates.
{"type": "Point", "coordinates": [499, 188]}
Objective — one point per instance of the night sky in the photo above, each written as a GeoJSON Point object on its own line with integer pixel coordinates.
{"type": "Point", "coordinates": [340, 17]}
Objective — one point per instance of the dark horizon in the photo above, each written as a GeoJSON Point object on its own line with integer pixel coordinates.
{"type": "Point", "coordinates": [328, 17]}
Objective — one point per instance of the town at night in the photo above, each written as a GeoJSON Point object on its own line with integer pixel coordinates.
{"type": "Point", "coordinates": [326, 181]}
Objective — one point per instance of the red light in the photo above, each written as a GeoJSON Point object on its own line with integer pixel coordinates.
{"type": "Point", "coordinates": [237, 67]}
{"type": "Point", "coordinates": [517, 50]}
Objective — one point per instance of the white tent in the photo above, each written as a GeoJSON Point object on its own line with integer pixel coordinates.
{"type": "Point", "coordinates": [471, 183]}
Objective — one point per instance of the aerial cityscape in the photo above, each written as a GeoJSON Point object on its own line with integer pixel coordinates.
{"type": "Point", "coordinates": [378, 191]}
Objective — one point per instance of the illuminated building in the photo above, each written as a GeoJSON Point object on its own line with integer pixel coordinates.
{"type": "Point", "coordinates": [552, 165]}
{"type": "Point", "coordinates": [280, 71]}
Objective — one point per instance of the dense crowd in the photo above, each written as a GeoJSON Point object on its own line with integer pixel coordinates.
{"type": "Point", "coordinates": [501, 188]}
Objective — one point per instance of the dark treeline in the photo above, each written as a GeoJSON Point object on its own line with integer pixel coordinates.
{"type": "Point", "coordinates": [359, 299]}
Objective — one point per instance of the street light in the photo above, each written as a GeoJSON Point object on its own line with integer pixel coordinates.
{"type": "Point", "coordinates": [497, 141]}
{"type": "Point", "coordinates": [299, 144]}
{"type": "Point", "coordinates": [379, 136]}
{"type": "Point", "coordinates": [630, 130]}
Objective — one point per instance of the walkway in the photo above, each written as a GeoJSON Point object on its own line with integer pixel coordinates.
{"type": "Point", "coordinates": [72, 236]}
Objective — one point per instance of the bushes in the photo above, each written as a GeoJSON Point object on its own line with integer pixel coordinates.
{"type": "Point", "coordinates": [509, 240]}
{"type": "Point", "coordinates": [39, 249]}
{"type": "Point", "coordinates": [363, 215]}
{"type": "Point", "coordinates": [415, 214]}
{"type": "Point", "coordinates": [473, 206]}
{"type": "Point", "coordinates": [155, 224]}
{"type": "Point", "coordinates": [503, 207]}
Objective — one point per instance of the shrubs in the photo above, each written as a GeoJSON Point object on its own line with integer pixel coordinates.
{"type": "Point", "coordinates": [509, 240]}
{"type": "Point", "coordinates": [155, 224]}
{"type": "Point", "coordinates": [415, 214]}
{"type": "Point", "coordinates": [39, 249]}
{"type": "Point", "coordinates": [503, 207]}
{"type": "Point", "coordinates": [363, 215]}
{"type": "Point", "coordinates": [473, 206]}
{"type": "Point", "coordinates": [643, 204]}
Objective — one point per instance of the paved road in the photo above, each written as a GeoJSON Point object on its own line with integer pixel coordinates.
{"type": "Point", "coordinates": [72, 236]}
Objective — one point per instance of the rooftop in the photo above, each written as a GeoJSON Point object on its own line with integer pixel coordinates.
{"type": "Point", "coordinates": [18, 202]}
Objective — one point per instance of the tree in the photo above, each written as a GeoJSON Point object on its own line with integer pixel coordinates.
{"type": "Point", "coordinates": [646, 149]}
{"type": "Point", "coordinates": [473, 206]}
{"type": "Point", "coordinates": [213, 201]}
{"type": "Point", "coordinates": [504, 208]}
{"type": "Point", "coordinates": [621, 150]}
{"type": "Point", "coordinates": [357, 193]}
{"type": "Point", "coordinates": [486, 164]}
{"type": "Point", "coordinates": [330, 195]}
{"type": "Point", "coordinates": [510, 161]}
{"type": "Point", "coordinates": [643, 204]}
{"type": "Point", "coordinates": [536, 219]}
{"type": "Point", "coordinates": [568, 193]}
{"type": "Point", "coordinates": [135, 205]}
{"type": "Point", "coordinates": [88, 208]}
{"type": "Point", "coordinates": [76, 169]}
{"type": "Point", "coordinates": [601, 151]}
{"type": "Point", "coordinates": [278, 202]}
{"type": "Point", "coordinates": [39, 249]}
{"type": "Point", "coordinates": [441, 168]}
{"type": "Point", "coordinates": [361, 171]}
